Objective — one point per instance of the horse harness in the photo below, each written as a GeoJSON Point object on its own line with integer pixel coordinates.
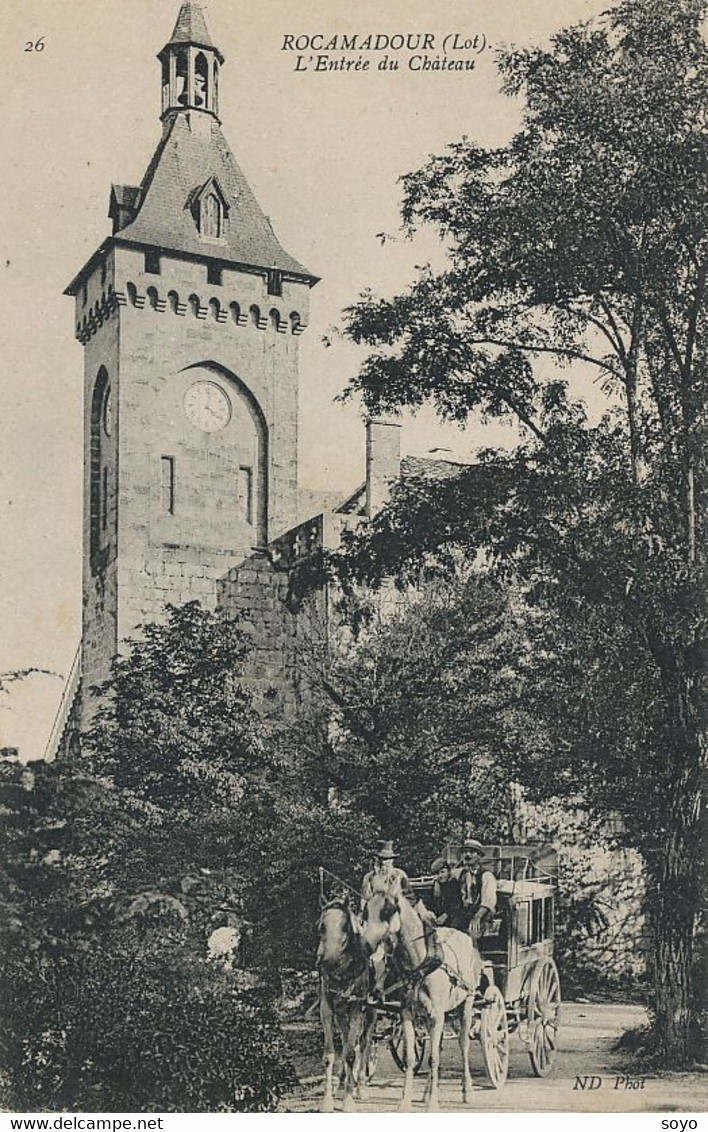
{"type": "Point", "coordinates": [432, 960]}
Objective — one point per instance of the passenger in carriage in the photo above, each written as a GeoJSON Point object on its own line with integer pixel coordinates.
{"type": "Point", "coordinates": [478, 889]}
{"type": "Point", "coordinates": [446, 899]}
{"type": "Point", "coordinates": [464, 894]}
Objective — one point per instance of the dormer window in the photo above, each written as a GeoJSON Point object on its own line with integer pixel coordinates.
{"type": "Point", "coordinates": [211, 222]}
{"type": "Point", "coordinates": [210, 210]}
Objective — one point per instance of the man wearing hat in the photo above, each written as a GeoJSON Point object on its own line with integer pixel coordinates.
{"type": "Point", "coordinates": [478, 887]}
{"type": "Point", "coordinates": [384, 877]}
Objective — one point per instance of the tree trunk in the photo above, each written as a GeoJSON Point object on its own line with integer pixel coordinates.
{"type": "Point", "coordinates": [674, 930]}
{"type": "Point", "coordinates": [677, 872]}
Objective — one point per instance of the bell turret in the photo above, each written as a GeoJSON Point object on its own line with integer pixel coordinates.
{"type": "Point", "coordinates": [190, 65]}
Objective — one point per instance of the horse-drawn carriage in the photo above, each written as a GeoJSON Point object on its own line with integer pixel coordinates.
{"type": "Point", "coordinates": [523, 993]}
{"type": "Point", "coordinates": [507, 984]}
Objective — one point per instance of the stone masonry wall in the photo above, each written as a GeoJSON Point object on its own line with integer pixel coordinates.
{"type": "Point", "coordinates": [259, 591]}
{"type": "Point", "coordinates": [155, 334]}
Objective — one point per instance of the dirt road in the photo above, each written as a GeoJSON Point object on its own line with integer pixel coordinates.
{"type": "Point", "coordinates": [585, 1040]}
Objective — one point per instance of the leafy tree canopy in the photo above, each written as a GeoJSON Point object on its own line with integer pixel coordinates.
{"type": "Point", "coordinates": [582, 242]}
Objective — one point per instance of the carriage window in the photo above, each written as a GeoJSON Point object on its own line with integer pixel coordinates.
{"type": "Point", "coordinates": [522, 924]}
{"type": "Point", "coordinates": [548, 917]}
{"type": "Point", "coordinates": [537, 922]}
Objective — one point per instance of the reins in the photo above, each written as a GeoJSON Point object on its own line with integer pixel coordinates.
{"type": "Point", "coordinates": [333, 876]}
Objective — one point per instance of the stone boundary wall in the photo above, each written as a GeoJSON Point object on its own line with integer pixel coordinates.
{"type": "Point", "coordinates": [259, 591]}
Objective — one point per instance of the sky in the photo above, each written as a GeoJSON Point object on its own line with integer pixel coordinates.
{"type": "Point", "coordinates": [323, 153]}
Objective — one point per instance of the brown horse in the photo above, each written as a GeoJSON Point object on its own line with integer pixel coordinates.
{"type": "Point", "coordinates": [450, 987]}
{"type": "Point", "coordinates": [344, 989]}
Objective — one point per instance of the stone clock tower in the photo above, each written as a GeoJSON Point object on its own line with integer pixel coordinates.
{"type": "Point", "coordinates": [189, 315]}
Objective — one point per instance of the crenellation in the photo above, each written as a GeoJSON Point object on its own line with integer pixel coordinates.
{"type": "Point", "coordinates": [189, 329]}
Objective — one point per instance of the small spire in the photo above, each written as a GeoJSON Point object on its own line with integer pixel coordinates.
{"type": "Point", "coordinates": [191, 26]}
{"type": "Point", "coordinates": [190, 65]}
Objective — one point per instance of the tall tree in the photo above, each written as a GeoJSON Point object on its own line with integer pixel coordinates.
{"type": "Point", "coordinates": [412, 720]}
{"type": "Point", "coordinates": [581, 243]}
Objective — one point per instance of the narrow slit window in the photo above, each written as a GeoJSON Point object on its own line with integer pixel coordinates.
{"type": "Point", "coordinates": [168, 484]}
{"type": "Point", "coordinates": [275, 282]}
{"type": "Point", "coordinates": [104, 499]}
{"type": "Point", "coordinates": [214, 274]}
{"type": "Point", "coordinates": [245, 493]}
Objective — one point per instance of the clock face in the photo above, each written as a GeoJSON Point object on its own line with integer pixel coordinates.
{"type": "Point", "coordinates": [108, 412]}
{"type": "Point", "coordinates": [207, 406]}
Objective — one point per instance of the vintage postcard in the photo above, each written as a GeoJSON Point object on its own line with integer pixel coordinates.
{"type": "Point", "coordinates": [353, 390]}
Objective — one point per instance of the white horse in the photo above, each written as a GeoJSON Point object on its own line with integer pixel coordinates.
{"type": "Point", "coordinates": [450, 987]}
{"type": "Point", "coordinates": [344, 990]}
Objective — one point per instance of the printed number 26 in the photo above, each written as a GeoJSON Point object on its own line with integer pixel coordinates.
{"type": "Point", "coordinates": [37, 46]}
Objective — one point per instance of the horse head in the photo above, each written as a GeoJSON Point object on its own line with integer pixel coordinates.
{"type": "Point", "coordinates": [381, 921]}
{"type": "Point", "coordinates": [338, 930]}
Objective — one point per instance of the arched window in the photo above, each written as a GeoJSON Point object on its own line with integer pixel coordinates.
{"type": "Point", "coordinates": [182, 71]}
{"type": "Point", "coordinates": [211, 216]}
{"type": "Point", "coordinates": [102, 411]}
{"type": "Point", "coordinates": [201, 81]}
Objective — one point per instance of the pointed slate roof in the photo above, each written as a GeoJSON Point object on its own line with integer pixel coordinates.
{"type": "Point", "coordinates": [185, 160]}
{"type": "Point", "coordinates": [191, 27]}
{"type": "Point", "coordinates": [192, 152]}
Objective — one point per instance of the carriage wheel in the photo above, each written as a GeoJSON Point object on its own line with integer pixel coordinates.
{"type": "Point", "coordinates": [543, 1016]}
{"type": "Point", "coordinates": [397, 1046]}
{"type": "Point", "coordinates": [494, 1037]}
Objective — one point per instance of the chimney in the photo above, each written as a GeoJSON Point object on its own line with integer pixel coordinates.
{"type": "Point", "coordinates": [383, 462]}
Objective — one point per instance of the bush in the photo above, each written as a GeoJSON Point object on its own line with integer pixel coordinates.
{"type": "Point", "coordinates": [122, 1030]}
